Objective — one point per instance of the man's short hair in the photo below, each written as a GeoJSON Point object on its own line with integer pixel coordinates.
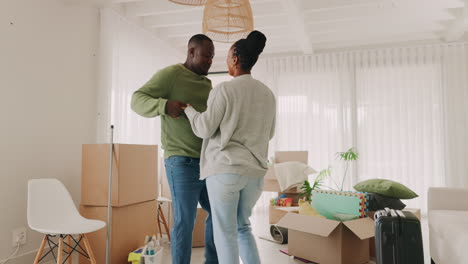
{"type": "Point", "coordinates": [198, 39]}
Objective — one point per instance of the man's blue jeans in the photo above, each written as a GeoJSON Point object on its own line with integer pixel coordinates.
{"type": "Point", "coordinates": [187, 190]}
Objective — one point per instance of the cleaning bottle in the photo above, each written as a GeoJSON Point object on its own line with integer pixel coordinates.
{"type": "Point", "coordinates": [157, 243]}
{"type": "Point", "coordinates": [150, 248]}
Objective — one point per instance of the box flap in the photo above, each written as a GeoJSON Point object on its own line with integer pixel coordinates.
{"type": "Point", "coordinates": [308, 224]}
{"type": "Point", "coordinates": [363, 227]}
{"type": "Point", "coordinates": [285, 156]}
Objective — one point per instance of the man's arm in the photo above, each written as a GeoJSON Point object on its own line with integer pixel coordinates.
{"type": "Point", "coordinates": [144, 104]}
{"type": "Point", "coordinates": [205, 124]}
{"type": "Point", "coordinates": [151, 99]}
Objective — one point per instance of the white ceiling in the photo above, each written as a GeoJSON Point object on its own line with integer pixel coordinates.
{"type": "Point", "coordinates": [308, 26]}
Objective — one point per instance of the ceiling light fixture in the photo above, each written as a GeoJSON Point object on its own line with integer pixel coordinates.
{"type": "Point", "coordinates": [189, 2]}
{"type": "Point", "coordinates": [227, 20]}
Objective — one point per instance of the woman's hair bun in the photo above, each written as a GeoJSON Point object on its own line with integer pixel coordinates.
{"type": "Point", "coordinates": [256, 42]}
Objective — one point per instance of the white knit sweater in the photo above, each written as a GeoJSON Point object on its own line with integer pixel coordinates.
{"type": "Point", "coordinates": [236, 128]}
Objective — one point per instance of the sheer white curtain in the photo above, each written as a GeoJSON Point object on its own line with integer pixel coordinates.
{"type": "Point", "coordinates": [455, 81]}
{"type": "Point", "coordinates": [313, 104]}
{"type": "Point", "coordinates": [403, 108]}
{"type": "Point", "coordinates": [400, 129]}
{"type": "Point", "coordinates": [130, 55]}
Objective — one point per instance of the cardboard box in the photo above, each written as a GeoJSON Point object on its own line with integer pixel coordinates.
{"type": "Point", "coordinates": [270, 185]}
{"type": "Point", "coordinates": [130, 225]}
{"type": "Point", "coordinates": [277, 212]}
{"type": "Point", "coordinates": [416, 212]}
{"type": "Point", "coordinates": [295, 197]}
{"type": "Point", "coordinates": [198, 239]}
{"type": "Point", "coordinates": [134, 174]}
{"type": "Point", "coordinates": [165, 190]}
{"type": "Point", "coordinates": [284, 156]}
{"type": "Point", "coordinates": [274, 215]}
{"type": "Point", "coordinates": [270, 182]}
{"type": "Point", "coordinates": [327, 241]}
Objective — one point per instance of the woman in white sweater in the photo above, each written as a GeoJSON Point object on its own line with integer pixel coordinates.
{"type": "Point", "coordinates": [236, 128]}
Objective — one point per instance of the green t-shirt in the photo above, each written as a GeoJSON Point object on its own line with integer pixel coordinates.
{"type": "Point", "coordinates": [174, 83]}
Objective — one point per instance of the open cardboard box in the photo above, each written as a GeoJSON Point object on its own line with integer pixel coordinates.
{"type": "Point", "coordinates": [327, 241]}
{"type": "Point", "coordinates": [275, 213]}
{"type": "Point", "coordinates": [270, 182]}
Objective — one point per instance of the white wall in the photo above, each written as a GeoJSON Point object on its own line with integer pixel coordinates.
{"type": "Point", "coordinates": [47, 102]}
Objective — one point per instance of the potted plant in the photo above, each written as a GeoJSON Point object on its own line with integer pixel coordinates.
{"type": "Point", "coordinates": [348, 157]}
{"type": "Point", "coordinates": [307, 188]}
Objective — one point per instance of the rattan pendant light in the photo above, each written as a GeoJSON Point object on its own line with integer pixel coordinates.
{"type": "Point", "coordinates": [227, 20]}
{"type": "Point", "coordinates": [189, 2]}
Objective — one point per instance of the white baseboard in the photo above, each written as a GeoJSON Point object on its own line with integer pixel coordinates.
{"type": "Point", "coordinates": [28, 258]}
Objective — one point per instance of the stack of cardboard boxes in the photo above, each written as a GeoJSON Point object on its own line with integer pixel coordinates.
{"type": "Point", "coordinates": [134, 193]}
{"type": "Point", "coordinates": [271, 183]}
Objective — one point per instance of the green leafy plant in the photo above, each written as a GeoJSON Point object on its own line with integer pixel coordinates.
{"type": "Point", "coordinates": [348, 157]}
{"type": "Point", "coordinates": [318, 182]}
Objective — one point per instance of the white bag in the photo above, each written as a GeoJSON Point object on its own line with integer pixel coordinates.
{"type": "Point", "coordinates": [151, 259]}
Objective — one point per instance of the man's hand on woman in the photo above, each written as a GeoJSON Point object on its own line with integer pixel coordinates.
{"type": "Point", "coordinates": [175, 108]}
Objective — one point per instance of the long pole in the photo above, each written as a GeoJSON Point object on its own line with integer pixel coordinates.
{"type": "Point", "coordinates": [109, 195]}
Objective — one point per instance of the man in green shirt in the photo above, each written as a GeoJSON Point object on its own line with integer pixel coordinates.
{"type": "Point", "coordinates": [165, 95]}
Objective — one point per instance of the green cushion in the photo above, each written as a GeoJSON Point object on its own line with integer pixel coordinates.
{"type": "Point", "coordinates": [386, 187]}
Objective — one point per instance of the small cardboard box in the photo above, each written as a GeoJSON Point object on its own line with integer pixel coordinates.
{"type": "Point", "coordinates": [277, 212]}
{"type": "Point", "coordinates": [134, 174]}
{"type": "Point", "coordinates": [198, 239]}
{"type": "Point", "coordinates": [327, 241]}
{"type": "Point", "coordinates": [275, 215]}
{"type": "Point", "coordinates": [165, 190]}
{"type": "Point", "coordinates": [130, 225]}
{"type": "Point", "coordinates": [270, 182]}
{"type": "Point", "coordinates": [295, 197]}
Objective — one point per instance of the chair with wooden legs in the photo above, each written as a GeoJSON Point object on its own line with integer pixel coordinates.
{"type": "Point", "coordinates": [51, 211]}
{"type": "Point", "coordinates": [162, 218]}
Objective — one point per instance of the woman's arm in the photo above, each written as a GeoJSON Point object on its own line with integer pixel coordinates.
{"type": "Point", "coordinates": [273, 127]}
{"type": "Point", "coordinates": [205, 124]}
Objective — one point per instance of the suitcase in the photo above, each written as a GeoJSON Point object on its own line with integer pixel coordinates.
{"type": "Point", "coordinates": [398, 238]}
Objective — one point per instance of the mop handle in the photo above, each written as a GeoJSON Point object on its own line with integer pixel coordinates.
{"type": "Point", "coordinates": [109, 196]}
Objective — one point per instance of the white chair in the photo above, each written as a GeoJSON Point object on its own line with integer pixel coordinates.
{"type": "Point", "coordinates": [448, 225]}
{"type": "Point", "coordinates": [51, 211]}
